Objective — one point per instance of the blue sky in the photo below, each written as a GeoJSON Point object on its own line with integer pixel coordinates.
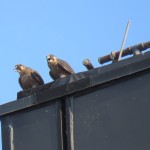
{"type": "Point", "coordinates": [70, 29]}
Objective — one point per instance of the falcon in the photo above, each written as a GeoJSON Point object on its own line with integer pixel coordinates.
{"type": "Point", "coordinates": [29, 78]}
{"type": "Point", "coordinates": [58, 68]}
{"type": "Point", "coordinates": [87, 63]}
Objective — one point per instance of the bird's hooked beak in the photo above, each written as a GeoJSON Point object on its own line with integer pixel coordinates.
{"type": "Point", "coordinates": [15, 68]}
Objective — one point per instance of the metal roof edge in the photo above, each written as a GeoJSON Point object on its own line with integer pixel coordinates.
{"type": "Point", "coordinates": [80, 81]}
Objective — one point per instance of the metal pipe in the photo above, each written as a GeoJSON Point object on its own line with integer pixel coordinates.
{"type": "Point", "coordinates": [87, 63]}
{"type": "Point", "coordinates": [128, 51]}
{"type": "Point", "coordinates": [124, 39]}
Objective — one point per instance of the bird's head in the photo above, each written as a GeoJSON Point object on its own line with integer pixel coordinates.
{"type": "Point", "coordinates": [20, 68]}
{"type": "Point", "coordinates": [52, 59]}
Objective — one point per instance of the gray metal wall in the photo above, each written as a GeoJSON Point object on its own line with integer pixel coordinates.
{"type": "Point", "coordinates": [115, 117]}
{"type": "Point", "coordinates": [38, 128]}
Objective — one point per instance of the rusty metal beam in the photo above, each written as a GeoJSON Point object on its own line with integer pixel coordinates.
{"type": "Point", "coordinates": [128, 51]}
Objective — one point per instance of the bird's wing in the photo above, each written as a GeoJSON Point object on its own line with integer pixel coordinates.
{"type": "Point", "coordinates": [65, 66]}
{"type": "Point", "coordinates": [53, 76]}
{"type": "Point", "coordinates": [36, 76]}
{"type": "Point", "coordinates": [20, 82]}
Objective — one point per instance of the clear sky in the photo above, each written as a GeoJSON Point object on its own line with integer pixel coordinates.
{"type": "Point", "coordinates": [70, 29]}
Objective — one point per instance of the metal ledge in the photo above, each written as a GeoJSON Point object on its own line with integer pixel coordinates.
{"type": "Point", "coordinates": [77, 82]}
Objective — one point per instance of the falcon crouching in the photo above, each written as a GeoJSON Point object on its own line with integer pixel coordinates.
{"type": "Point", "coordinates": [29, 78]}
{"type": "Point", "coordinates": [58, 68]}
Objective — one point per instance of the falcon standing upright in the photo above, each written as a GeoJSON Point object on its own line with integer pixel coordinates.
{"type": "Point", "coordinates": [29, 78]}
{"type": "Point", "coordinates": [58, 68]}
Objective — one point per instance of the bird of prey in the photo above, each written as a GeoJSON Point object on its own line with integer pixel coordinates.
{"type": "Point", "coordinates": [58, 68]}
{"type": "Point", "coordinates": [29, 78]}
{"type": "Point", "coordinates": [87, 64]}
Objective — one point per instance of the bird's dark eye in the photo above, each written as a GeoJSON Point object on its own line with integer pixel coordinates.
{"type": "Point", "coordinates": [49, 58]}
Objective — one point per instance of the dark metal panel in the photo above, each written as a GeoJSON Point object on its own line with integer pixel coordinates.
{"type": "Point", "coordinates": [17, 105]}
{"type": "Point", "coordinates": [5, 134]}
{"type": "Point", "coordinates": [63, 90]}
{"type": "Point", "coordinates": [124, 68]}
{"type": "Point", "coordinates": [115, 117]}
{"type": "Point", "coordinates": [33, 129]}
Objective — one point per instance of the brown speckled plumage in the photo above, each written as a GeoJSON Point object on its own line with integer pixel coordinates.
{"type": "Point", "coordinates": [58, 68]}
{"type": "Point", "coordinates": [29, 78]}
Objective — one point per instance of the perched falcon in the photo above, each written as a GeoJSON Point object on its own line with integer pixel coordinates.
{"type": "Point", "coordinates": [58, 68]}
{"type": "Point", "coordinates": [87, 64]}
{"type": "Point", "coordinates": [28, 78]}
